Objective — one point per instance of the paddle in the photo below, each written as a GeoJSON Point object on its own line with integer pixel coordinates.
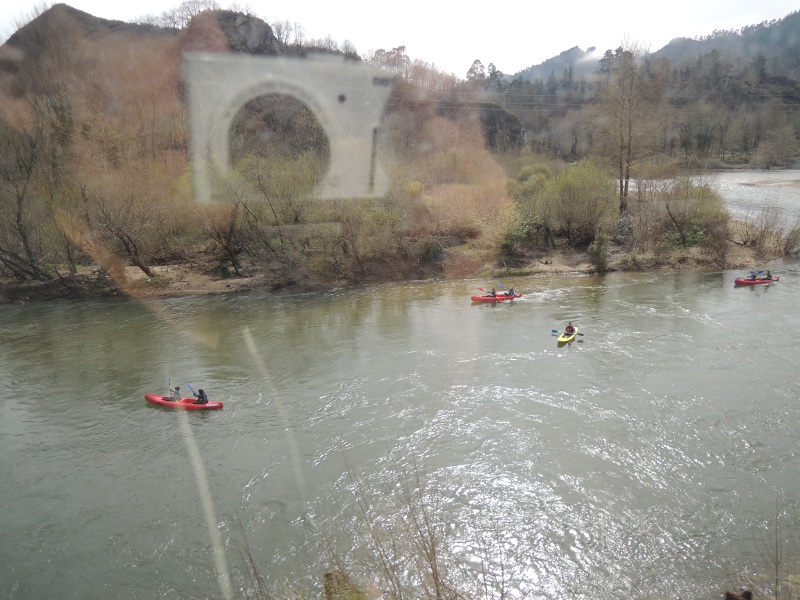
{"type": "Point", "coordinates": [506, 292]}
{"type": "Point", "coordinates": [195, 394]}
{"type": "Point", "coordinates": [169, 387]}
{"type": "Point", "coordinates": [556, 331]}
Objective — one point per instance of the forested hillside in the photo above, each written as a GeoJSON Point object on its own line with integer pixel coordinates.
{"type": "Point", "coordinates": [730, 97]}
{"type": "Point", "coordinates": [94, 163]}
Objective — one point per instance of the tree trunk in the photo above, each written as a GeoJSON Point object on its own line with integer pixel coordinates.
{"type": "Point", "coordinates": [22, 231]}
{"type": "Point", "coordinates": [131, 249]}
{"type": "Point", "coordinates": [677, 225]}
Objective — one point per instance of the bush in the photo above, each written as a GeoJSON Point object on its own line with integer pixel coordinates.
{"type": "Point", "coordinates": [598, 252]}
{"type": "Point", "coordinates": [693, 237]}
{"type": "Point", "coordinates": [580, 201]}
{"type": "Point", "coordinates": [692, 215]}
{"type": "Point", "coordinates": [430, 250]}
{"type": "Point", "coordinates": [527, 230]}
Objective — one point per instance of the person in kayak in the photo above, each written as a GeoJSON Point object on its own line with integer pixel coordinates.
{"type": "Point", "coordinates": [175, 395]}
{"type": "Point", "coordinates": [201, 397]}
{"type": "Point", "coordinates": [493, 293]}
{"type": "Point", "coordinates": [768, 276]}
{"type": "Point", "coordinates": [569, 329]}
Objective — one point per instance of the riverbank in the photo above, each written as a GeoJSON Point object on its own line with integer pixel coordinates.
{"type": "Point", "coordinates": [192, 279]}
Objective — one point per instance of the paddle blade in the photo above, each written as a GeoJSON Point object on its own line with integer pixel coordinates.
{"type": "Point", "coordinates": [481, 289]}
{"type": "Point", "coordinates": [500, 285]}
{"type": "Point", "coordinates": [554, 331]}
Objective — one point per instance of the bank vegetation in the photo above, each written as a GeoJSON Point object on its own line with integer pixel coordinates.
{"type": "Point", "coordinates": [487, 175]}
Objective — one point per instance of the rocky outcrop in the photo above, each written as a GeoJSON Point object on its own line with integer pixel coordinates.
{"type": "Point", "coordinates": [247, 34]}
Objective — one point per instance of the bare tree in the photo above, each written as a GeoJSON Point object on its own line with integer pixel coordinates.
{"type": "Point", "coordinates": [288, 33]}
{"type": "Point", "coordinates": [125, 221]}
{"type": "Point", "coordinates": [21, 153]}
{"type": "Point", "coordinates": [180, 16]}
{"type": "Point", "coordinates": [622, 99]}
{"type": "Point", "coordinates": [222, 224]}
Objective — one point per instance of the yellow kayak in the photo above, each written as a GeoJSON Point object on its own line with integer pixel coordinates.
{"type": "Point", "coordinates": [567, 337]}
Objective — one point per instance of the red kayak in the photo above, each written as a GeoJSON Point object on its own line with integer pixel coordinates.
{"type": "Point", "coordinates": [497, 298]}
{"type": "Point", "coordinates": [183, 403]}
{"type": "Point", "coordinates": [748, 281]}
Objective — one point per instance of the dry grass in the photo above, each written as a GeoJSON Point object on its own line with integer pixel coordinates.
{"type": "Point", "coordinates": [200, 279]}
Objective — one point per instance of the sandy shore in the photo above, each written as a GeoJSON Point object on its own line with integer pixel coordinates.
{"type": "Point", "coordinates": [189, 280]}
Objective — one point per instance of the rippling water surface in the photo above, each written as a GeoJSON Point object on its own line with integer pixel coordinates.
{"type": "Point", "coordinates": [645, 456]}
{"type": "Point", "coordinates": [748, 192]}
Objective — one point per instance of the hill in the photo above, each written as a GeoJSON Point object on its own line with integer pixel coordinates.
{"type": "Point", "coordinates": [581, 62]}
{"type": "Point", "coordinates": [776, 40]}
{"type": "Point", "coordinates": [92, 26]}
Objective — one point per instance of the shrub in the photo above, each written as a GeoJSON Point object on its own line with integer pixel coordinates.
{"type": "Point", "coordinates": [580, 201]}
{"type": "Point", "coordinates": [693, 214]}
{"type": "Point", "coordinates": [598, 252]}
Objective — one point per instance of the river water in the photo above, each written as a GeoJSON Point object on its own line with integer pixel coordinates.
{"type": "Point", "coordinates": [644, 459]}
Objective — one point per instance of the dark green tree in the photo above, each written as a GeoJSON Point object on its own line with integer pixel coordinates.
{"type": "Point", "coordinates": [494, 81]}
{"type": "Point", "coordinates": [476, 73]}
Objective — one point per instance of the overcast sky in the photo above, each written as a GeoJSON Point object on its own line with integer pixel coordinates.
{"type": "Point", "coordinates": [513, 34]}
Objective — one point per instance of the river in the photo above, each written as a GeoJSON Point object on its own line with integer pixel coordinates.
{"type": "Point", "coordinates": [645, 459]}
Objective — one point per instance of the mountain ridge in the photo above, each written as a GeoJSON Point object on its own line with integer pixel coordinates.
{"type": "Point", "coordinates": [779, 39]}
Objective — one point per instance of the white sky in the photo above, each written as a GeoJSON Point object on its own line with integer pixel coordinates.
{"type": "Point", "coordinates": [513, 35]}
